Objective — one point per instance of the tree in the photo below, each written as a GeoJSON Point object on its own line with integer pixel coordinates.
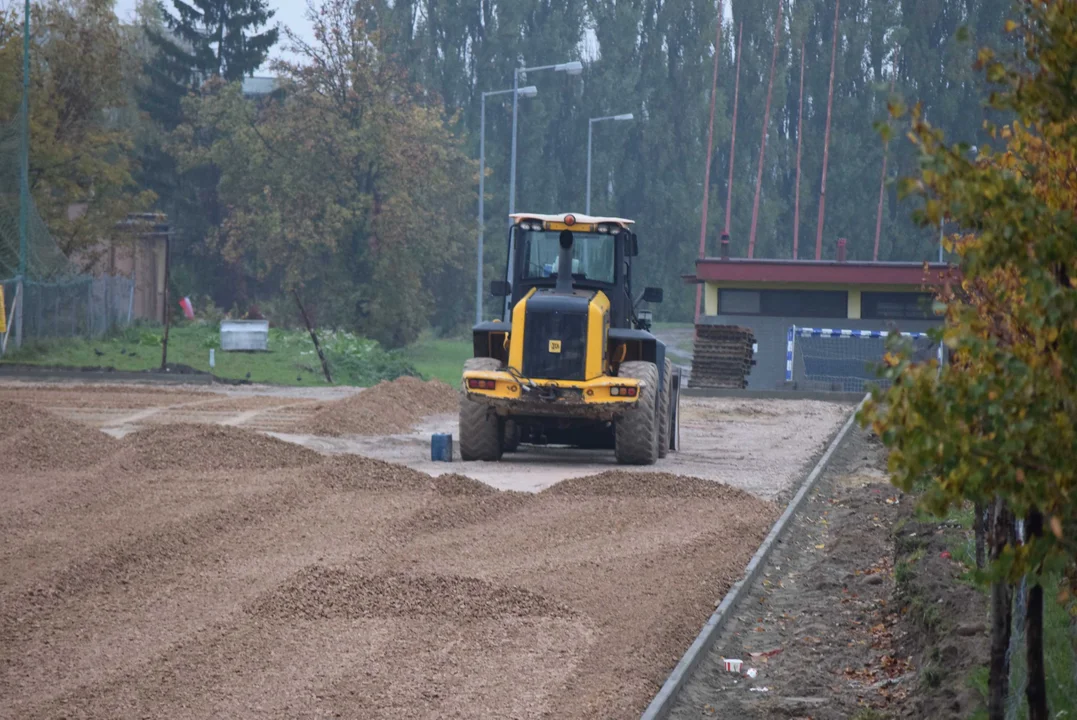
{"type": "Point", "coordinates": [654, 59]}
{"type": "Point", "coordinates": [81, 166]}
{"type": "Point", "coordinates": [206, 38]}
{"type": "Point", "coordinates": [349, 185]}
{"type": "Point", "coordinates": [202, 40]}
{"type": "Point", "coordinates": [999, 424]}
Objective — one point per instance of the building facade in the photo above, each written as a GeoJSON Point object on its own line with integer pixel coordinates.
{"type": "Point", "coordinates": [771, 296]}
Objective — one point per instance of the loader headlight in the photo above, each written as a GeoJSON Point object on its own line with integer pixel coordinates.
{"type": "Point", "coordinates": [480, 384]}
{"type": "Point", "coordinates": [622, 391]}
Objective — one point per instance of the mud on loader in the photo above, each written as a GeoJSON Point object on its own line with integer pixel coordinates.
{"type": "Point", "coordinates": [573, 362]}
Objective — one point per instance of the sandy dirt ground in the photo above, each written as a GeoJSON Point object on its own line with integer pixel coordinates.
{"type": "Point", "coordinates": [185, 565]}
{"type": "Point", "coordinates": [761, 446]}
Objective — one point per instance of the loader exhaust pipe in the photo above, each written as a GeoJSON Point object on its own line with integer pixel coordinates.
{"type": "Point", "coordinates": [564, 263]}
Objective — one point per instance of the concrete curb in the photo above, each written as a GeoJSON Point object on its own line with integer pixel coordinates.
{"type": "Point", "coordinates": [667, 695]}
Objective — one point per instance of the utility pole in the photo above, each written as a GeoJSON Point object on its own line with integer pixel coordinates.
{"type": "Point", "coordinates": [733, 136]}
{"type": "Point", "coordinates": [167, 310]}
{"type": "Point", "coordinates": [707, 163]}
{"type": "Point", "coordinates": [826, 136]}
{"type": "Point", "coordinates": [24, 175]}
{"type": "Point", "coordinates": [763, 141]}
{"type": "Point", "coordinates": [800, 138]}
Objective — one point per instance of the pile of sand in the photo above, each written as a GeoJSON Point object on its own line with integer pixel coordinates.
{"type": "Point", "coordinates": [202, 448]}
{"type": "Point", "coordinates": [385, 409]}
{"type": "Point", "coordinates": [321, 593]}
{"type": "Point", "coordinates": [39, 440]}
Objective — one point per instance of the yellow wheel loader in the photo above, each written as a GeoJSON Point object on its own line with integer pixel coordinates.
{"type": "Point", "coordinates": [573, 361]}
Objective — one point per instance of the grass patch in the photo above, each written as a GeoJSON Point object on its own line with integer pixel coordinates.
{"type": "Point", "coordinates": [977, 680]}
{"type": "Point", "coordinates": [931, 676]}
{"type": "Point", "coordinates": [291, 359]}
{"type": "Point", "coordinates": [926, 614]}
{"type": "Point", "coordinates": [436, 359]}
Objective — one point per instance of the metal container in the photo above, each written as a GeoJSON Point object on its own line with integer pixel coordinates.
{"type": "Point", "coordinates": [244, 335]}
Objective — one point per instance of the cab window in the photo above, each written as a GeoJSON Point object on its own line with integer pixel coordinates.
{"type": "Point", "coordinates": [592, 256]}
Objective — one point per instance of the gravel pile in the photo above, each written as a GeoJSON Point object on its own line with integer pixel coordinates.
{"type": "Point", "coordinates": [459, 511]}
{"type": "Point", "coordinates": [202, 448]}
{"type": "Point", "coordinates": [355, 472]}
{"type": "Point", "coordinates": [385, 409]}
{"type": "Point", "coordinates": [322, 593]}
{"type": "Point", "coordinates": [626, 483]}
{"type": "Point", "coordinates": [453, 484]}
{"type": "Point", "coordinates": [40, 440]}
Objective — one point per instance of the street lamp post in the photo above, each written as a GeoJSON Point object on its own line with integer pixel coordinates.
{"type": "Point", "coordinates": [574, 67]}
{"type": "Point", "coordinates": [529, 91]}
{"type": "Point", "coordinates": [590, 124]}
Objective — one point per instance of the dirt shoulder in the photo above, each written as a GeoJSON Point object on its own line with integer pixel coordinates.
{"type": "Point", "coordinates": [859, 614]}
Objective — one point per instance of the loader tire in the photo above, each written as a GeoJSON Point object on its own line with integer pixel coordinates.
{"type": "Point", "coordinates": [665, 399]}
{"type": "Point", "coordinates": [480, 428]}
{"type": "Point", "coordinates": [636, 432]}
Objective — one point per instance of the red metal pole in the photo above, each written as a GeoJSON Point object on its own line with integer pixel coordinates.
{"type": "Point", "coordinates": [800, 136]}
{"type": "Point", "coordinates": [766, 122]}
{"type": "Point", "coordinates": [826, 137]}
{"type": "Point", "coordinates": [882, 180]}
{"type": "Point", "coordinates": [710, 150]}
{"type": "Point", "coordinates": [733, 137]}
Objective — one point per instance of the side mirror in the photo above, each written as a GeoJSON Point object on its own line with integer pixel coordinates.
{"type": "Point", "coordinates": [652, 295]}
{"type": "Point", "coordinates": [631, 245]}
{"type": "Point", "coordinates": [500, 288]}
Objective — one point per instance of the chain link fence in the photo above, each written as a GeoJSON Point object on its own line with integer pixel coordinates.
{"type": "Point", "coordinates": [84, 306]}
{"type": "Point", "coordinates": [59, 301]}
{"type": "Point", "coordinates": [1059, 653]}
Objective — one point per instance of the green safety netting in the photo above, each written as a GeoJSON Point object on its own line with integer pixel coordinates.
{"type": "Point", "coordinates": [58, 299]}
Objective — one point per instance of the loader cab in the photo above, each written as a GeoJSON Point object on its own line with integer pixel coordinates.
{"type": "Point", "coordinates": [602, 253]}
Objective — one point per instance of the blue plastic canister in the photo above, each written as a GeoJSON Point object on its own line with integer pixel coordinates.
{"type": "Point", "coordinates": [441, 447]}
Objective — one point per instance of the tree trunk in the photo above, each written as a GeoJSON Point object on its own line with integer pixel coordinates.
{"type": "Point", "coordinates": [1001, 616]}
{"type": "Point", "coordinates": [168, 308]}
{"type": "Point", "coordinates": [979, 528]}
{"type": "Point", "coordinates": [313, 337]}
{"type": "Point", "coordinates": [1036, 689]}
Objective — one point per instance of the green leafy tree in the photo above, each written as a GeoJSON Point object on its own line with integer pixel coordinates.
{"type": "Point", "coordinates": [193, 43]}
{"type": "Point", "coordinates": [654, 59]}
{"type": "Point", "coordinates": [350, 185]}
{"type": "Point", "coordinates": [81, 164]}
{"type": "Point", "coordinates": [997, 425]}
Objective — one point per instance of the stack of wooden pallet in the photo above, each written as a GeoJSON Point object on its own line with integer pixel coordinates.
{"type": "Point", "coordinates": [721, 357]}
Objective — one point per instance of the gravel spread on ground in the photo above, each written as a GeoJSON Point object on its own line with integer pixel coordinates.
{"type": "Point", "coordinates": [297, 585]}
{"type": "Point", "coordinates": [387, 408]}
